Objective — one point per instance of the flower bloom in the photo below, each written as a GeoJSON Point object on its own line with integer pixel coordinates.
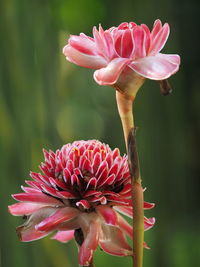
{"type": "Point", "coordinates": [124, 55]}
{"type": "Point", "coordinates": [81, 193]}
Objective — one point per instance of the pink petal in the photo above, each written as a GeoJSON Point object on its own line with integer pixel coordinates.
{"type": "Point", "coordinates": [156, 28]}
{"type": "Point", "coordinates": [139, 36]}
{"type": "Point", "coordinates": [127, 44]}
{"type": "Point", "coordinates": [148, 37]}
{"type": "Point", "coordinates": [83, 44]}
{"type": "Point", "coordinates": [148, 223]}
{"type": "Point", "coordinates": [110, 74]}
{"type": "Point", "coordinates": [66, 195]}
{"type": "Point", "coordinates": [64, 236]}
{"type": "Point", "coordinates": [30, 189]}
{"type": "Point", "coordinates": [125, 226]}
{"type": "Point", "coordinates": [108, 214]}
{"type": "Point", "coordinates": [100, 41]}
{"type": "Point", "coordinates": [127, 211]}
{"type": "Point", "coordinates": [83, 60]}
{"type": "Point", "coordinates": [158, 67]}
{"type": "Point", "coordinates": [112, 241]}
{"type": "Point", "coordinates": [60, 216]}
{"type": "Point", "coordinates": [37, 197]}
{"type": "Point", "coordinates": [24, 208]}
{"type": "Point", "coordinates": [91, 237]}
{"type": "Point", "coordinates": [27, 231]}
{"type": "Point", "coordinates": [110, 44]}
{"type": "Point", "coordinates": [159, 40]}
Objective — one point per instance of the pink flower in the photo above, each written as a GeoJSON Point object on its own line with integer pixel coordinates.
{"type": "Point", "coordinates": [123, 56]}
{"type": "Point", "coordinates": [81, 193]}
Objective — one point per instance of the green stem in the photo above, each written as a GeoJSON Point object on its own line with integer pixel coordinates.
{"type": "Point", "coordinates": [125, 105]}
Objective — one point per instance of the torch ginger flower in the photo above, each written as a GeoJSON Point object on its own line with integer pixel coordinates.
{"type": "Point", "coordinates": [124, 56]}
{"type": "Point", "coordinates": [81, 193]}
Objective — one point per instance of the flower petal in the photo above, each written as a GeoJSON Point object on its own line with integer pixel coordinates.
{"type": "Point", "coordinates": [83, 44]}
{"type": "Point", "coordinates": [159, 40]}
{"type": "Point", "coordinates": [139, 36]}
{"type": "Point", "coordinates": [112, 241]}
{"type": "Point", "coordinates": [108, 214]}
{"type": "Point", "coordinates": [83, 60]}
{"type": "Point", "coordinates": [90, 243]}
{"type": "Point", "coordinates": [158, 67]}
{"type": "Point", "coordinates": [110, 74]}
{"type": "Point", "coordinates": [27, 231]}
{"type": "Point", "coordinates": [60, 216]}
{"type": "Point", "coordinates": [64, 236]}
{"type": "Point", "coordinates": [37, 197]}
{"type": "Point", "coordinates": [156, 28]}
{"type": "Point", "coordinates": [24, 208]}
{"type": "Point", "coordinates": [148, 223]}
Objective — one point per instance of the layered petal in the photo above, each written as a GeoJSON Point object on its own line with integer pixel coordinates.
{"type": "Point", "coordinates": [38, 198]}
{"type": "Point", "coordinates": [27, 231]}
{"type": "Point", "coordinates": [108, 214]}
{"type": "Point", "coordinates": [60, 216]}
{"type": "Point", "coordinates": [84, 60]}
{"type": "Point", "coordinates": [24, 208]}
{"type": "Point", "coordinates": [64, 236]}
{"type": "Point", "coordinates": [90, 243]}
{"type": "Point", "coordinates": [113, 241]}
{"type": "Point", "coordinates": [159, 39]}
{"type": "Point", "coordinates": [158, 67]}
{"type": "Point", "coordinates": [83, 44]}
{"type": "Point", "coordinates": [110, 74]}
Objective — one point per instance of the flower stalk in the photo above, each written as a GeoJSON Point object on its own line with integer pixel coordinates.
{"type": "Point", "coordinates": [125, 104]}
{"type": "Point", "coordinates": [138, 200]}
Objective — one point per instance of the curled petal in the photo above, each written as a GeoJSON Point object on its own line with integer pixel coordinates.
{"type": "Point", "coordinates": [113, 241]}
{"type": "Point", "coordinates": [84, 60]}
{"type": "Point", "coordinates": [60, 216]}
{"type": "Point", "coordinates": [90, 243]}
{"type": "Point", "coordinates": [27, 231]}
{"type": "Point", "coordinates": [149, 223]}
{"type": "Point", "coordinates": [64, 236]}
{"type": "Point", "coordinates": [158, 67]}
{"type": "Point", "coordinates": [148, 205]}
{"type": "Point", "coordinates": [110, 74]}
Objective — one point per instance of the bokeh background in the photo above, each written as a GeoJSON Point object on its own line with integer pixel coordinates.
{"type": "Point", "coordinates": [47, 102]}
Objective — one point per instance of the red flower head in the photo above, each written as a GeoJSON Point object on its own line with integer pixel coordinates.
{"type": "Point", "coordinates": [123, 56]}
{"type": "Point", "coordinates": [81, 193]}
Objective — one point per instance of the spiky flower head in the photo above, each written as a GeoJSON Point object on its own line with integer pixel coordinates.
{"type": "Point", "coordinates": [81, 193]}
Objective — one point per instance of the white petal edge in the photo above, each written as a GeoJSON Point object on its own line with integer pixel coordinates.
{"type": "Point", "coordinates": [83, 60]}
{"type": "Point", "coordinates": [158, 67]}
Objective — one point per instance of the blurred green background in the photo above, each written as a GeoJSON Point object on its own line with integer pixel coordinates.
{"type": "Point", "coordinates": [47, 102]}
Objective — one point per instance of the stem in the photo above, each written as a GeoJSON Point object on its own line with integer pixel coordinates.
{"type": "Point", "coordinates": [125, 105]}
{"type": "Point", "coordinates": [138, 201]}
